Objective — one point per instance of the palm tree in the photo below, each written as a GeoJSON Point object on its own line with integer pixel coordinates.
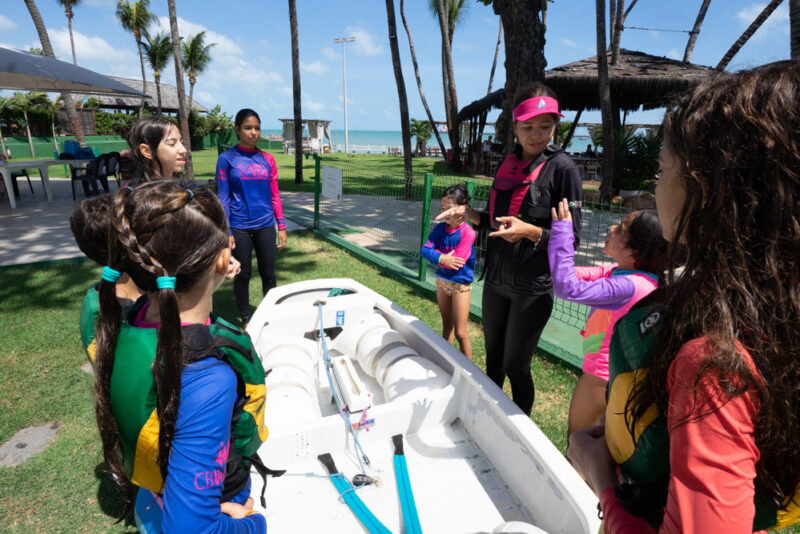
{"type": "Point", "coordinates": [794, 25]}
{"type": "Point", "coordinates": [443, 9]}
{"type": "Point", "coordinates": [25, 103]}
{"type": "Point", "coordinates": [158, 49]}
{"type": "Point", "coordinates": [422, 131]}
{"type": "Point", "coordinates": [196, 57]}
{"type": "Point", "coordinates": [182, 105]}
{"type": "Point", "coordinates": [524, 46]}
{"type": "Point", "coordinates": [298, 114]}
{"type": "Point", "coordinates": [401, 95]}
{"type": "Point", "coordinates": [68, 5]}
{"type": "Point", "coordinates": [451, 13]}
{"type": "Point", "coordinates": [419, 79]}
{"type": "Point", "coordinates": [605, 99]}
{"type": "Point", "coordinates": [136, 17]}
{"type": "Point", "coordinates": [5, 103]}
{"type": "Point", "coordinates": [77, 127]}
{"type": "Point", "coordinates": [50, 107]}
{"type": "Point", "coordinates": [687, 55]}
{"type": "Point", "coordinates": [748, 33]}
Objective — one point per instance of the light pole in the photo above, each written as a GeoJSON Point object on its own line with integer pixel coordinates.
{"type": "Point", "coordinates": [344, 40]}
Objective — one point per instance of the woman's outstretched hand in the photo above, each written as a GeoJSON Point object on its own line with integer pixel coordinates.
{"type": "Point", "coordinates": [513, 229]}
{"type": "Point", "coordinates": [563, 213]}
{"type": "Point", "coordinates": [588, 453]}
{"type": "Point", "coordinates": [282, 239]}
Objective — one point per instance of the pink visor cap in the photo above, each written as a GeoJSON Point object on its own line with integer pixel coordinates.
{"type": "Point", "coordinates": [536, 106]}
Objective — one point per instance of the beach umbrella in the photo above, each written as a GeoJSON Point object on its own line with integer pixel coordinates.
{"type": "Point", "coordinates": [32, 72]}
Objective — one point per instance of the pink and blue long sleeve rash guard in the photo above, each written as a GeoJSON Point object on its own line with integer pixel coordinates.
{"type": "Point", "coordinates": [460, 241]}
{"type": "Point", "coordinates": [247, 186]}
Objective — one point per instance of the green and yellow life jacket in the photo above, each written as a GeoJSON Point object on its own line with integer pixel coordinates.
{"type": "Point", "coordinates": [133, 397]}
{"type": "Point", "coordinates": [643, 458]}
{"type": "Point", "coordinates": [90, 310]}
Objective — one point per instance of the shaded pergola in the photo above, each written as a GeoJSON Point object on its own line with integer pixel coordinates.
{"type": "Point", "coordinates": [638, 80]}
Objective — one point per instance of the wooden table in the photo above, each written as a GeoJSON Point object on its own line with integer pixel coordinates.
{"type": "Point", "coordinates": [7, 167]}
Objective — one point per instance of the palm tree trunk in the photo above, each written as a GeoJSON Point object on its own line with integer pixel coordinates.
{"type": "Point", "coordinates": [794, 25]}
{"type": "Point", "coordinates": [141, 61]}
{"type": "Point", "coordinates": [605, 101]}
{"type": "Point", "coordinates": [687, 54]}
{"type": "Point", "coordinates": [496, 54]}
{"type": "Point", "coordinates": [748, 33]}
{"type": "Point", "coordinates": [402, 97]}
{"type": "Point", "coordinates": [298, 113]}
{"type": "Point", "coordinates": [192, 81]}
{"type": "Point", "coordinates": [184, 108]}
{"type": "Point", "coordinates": [419, 80]}
{"type": "Point", "coordinates": [452, 111]}
{"type": "Point", "coordinates": [53, 129]}
{"type": "Point", "coordinates": [69, 103]}
{"type": "Point", "coordinates": [71, 38]}
{"type": "Point", "coordinates": [524, 45]}
{"type": "Point", "coordinates": [28, 131]}
{"type": "Point", "coordinates": [617, 33]}
{"type": "Point", "coordinates": [158, 89]}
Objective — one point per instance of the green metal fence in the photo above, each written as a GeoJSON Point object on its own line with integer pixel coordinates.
{"type": "Point", "coordinates": [385, 218]}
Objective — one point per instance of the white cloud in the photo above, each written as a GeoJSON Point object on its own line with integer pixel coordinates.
{"type": "Point", "coordinates": [315, 67]}
{"type": "Point", "coordinates": [329, 53]}
{"type": "Point", "coordinates": [310, 105]}
{"type": "Point", "coordinates": [7, 24]}
{"type": "Point", "coordinates": [101, 3]}
{"type": "Point", "coordinates": [778, 21]}
{"type": "Point", "coordinates": [90, 48]}
{"type": "Point", "coordinates": [226, 61]}
{"type": "Point", "coordinates": [364, 44]}
{"type": "Point", "coordinates": [205, 96]}
{"type": "Point", "coordinates": [569, 42]}
{"type": "Point", "coordinates": [286, 91]}
{"type": "Point", "coordinates": [674, 54]}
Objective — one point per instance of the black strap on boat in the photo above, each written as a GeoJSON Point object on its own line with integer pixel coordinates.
{"type": "Point", "coordinates": [348, 494]}
{"type": "Point", "coordinates": [264, 471]}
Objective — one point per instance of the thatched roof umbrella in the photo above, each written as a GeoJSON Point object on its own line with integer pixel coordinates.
{"type": "Point", "coordinates": [638, 79]}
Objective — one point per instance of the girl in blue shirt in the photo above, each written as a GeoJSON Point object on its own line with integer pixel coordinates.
{"type": "Point", "coordinates": [247, 186]}
{"type": "Point", "coordinates": [450, 246]}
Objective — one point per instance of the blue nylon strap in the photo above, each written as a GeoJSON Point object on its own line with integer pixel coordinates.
{"type": "Point", "coordinates": [407, 503]}
{"type": "Point", "coordinates": [357, 506]}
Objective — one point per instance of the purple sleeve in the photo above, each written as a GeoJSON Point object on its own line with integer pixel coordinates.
{"type": "Point", "coordinates": [199, 454]}
{"type": "Point", "coordinates": [464, 247]}
{"type": "Point", "coordinates": [607, 293]}
{"type": "Point", "coordinates": [223, 189]}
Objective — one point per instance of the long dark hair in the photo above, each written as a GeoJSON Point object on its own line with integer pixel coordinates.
{"type": "Point", "coordinates": [161, 229]}
{"type": "Point", "coordinates": [739, 154]}
{"type": "Point", "coordinates": [646, 240]}
{"type": "Point", "coordinates": [150, 131]}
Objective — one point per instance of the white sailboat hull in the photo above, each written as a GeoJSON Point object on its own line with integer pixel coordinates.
{"type": "Point", "coordinates": [476, 463]}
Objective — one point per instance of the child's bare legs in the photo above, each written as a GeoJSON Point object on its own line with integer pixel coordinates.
{"type": "Point", "coordinates": [461, 303]}
{"type": "Point", "coordinates": [588, 403]}
{"type": "Point", "coordinates": [446, 309]}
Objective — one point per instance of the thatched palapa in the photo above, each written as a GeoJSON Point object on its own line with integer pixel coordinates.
{"type": "Point", "coordinates": [169, 97]}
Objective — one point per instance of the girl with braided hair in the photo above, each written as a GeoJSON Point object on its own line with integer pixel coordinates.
{"type": "Point", "coordinates": [702, 429]}
{"type": "Point", "coordinates": [167, 404]}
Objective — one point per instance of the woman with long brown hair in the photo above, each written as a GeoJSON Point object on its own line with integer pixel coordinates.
{"type": "Point", "coordinates": [702, 430]}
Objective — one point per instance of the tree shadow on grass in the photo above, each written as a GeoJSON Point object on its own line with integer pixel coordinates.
{"type": "Point", "coordinates": [110, 500]}
{"type": "Point", "coordinates": [46, 287]}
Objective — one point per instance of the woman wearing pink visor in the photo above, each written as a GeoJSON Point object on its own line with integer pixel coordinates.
{"type": "Point", "coordinates": [518, 291]}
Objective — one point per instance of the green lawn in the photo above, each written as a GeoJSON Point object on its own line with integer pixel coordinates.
{"type": "Point", "coordinates": [64, 488]}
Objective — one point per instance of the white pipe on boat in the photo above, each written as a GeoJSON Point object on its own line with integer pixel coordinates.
{"type": "Point", "coordinates": [290, 384]}
{"type": "Point", "coordinates": [389, 357]}
{"type": "Point", "coordinates": [413, 378]}
{"type": "Point", "coordinates": [347, 341]}
{"type": "Point", "coordinates": [373, 343]}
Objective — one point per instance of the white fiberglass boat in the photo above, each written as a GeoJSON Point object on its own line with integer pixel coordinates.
{"type": "Point", "coordinates": [472, 462]}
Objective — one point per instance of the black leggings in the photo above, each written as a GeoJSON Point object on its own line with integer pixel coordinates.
{"type": "Point", "coordinates": [512, 325]}
{"type": "Point", "coordinates": [263, 240]}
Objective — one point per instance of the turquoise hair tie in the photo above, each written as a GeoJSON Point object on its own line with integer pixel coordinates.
{"type": "Point", "coordinates": [165, 282]}
{"type": "Point", "coordinates": [191, 194]}
{"type": "Point", "coordinates": [110, 275]}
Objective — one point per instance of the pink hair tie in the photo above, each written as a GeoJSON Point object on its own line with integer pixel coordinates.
{"type": "Point", "coordinates": [537, 105]}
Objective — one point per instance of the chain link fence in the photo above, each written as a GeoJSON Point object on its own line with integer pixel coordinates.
{"type": "Point", "coordinates": [382, 211]}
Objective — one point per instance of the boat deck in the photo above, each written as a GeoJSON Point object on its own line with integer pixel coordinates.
{"type": "Point", "coordinates": [461, 493]}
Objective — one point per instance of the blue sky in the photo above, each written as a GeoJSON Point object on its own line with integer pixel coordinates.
{"type": "Point", "coordinates": [252, 58]}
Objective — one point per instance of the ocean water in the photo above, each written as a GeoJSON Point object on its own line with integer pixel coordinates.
{"type": "Point", "coordinates": [378, 141]}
